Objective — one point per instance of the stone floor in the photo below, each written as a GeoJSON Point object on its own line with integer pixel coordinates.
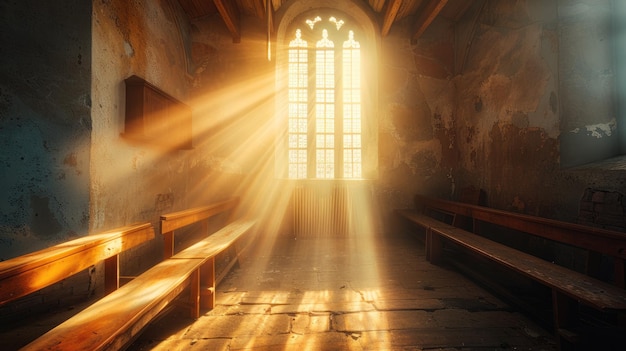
{"type": "Point", "coordinates": [346, 294]}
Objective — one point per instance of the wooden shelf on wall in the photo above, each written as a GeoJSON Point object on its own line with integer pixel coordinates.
{"type": "Point", "coordinates": [155, 118]}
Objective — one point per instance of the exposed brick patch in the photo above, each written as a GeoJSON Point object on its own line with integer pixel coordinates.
{"type": "Point", "coordinates": [604, 209]}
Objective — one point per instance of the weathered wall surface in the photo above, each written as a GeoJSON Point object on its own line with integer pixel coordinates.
{"type": "Point", "coordinates": [233, 98]}
{"type": "Point", "coordinates": [128, 178]}
{"type": "Point", "coordinates": [45, 124]}
{"type": "Point", "coordinates": [587, 74]}
{"type": "Point", "coordinates": [417, 143]}
{"type": "Point", "coordinates": [67, 171]}
{"type": "Point", "coordinates": [508, 110]}
{"type": "Point", "coordinates": [524, 74]}
{"type": "Point", "coordinates": [534, 70]}
{"type": "Point", "coordinates": [134, 181]}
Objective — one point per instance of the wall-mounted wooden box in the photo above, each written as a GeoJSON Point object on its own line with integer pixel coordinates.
{"type": "Point", "coordinates": [155, 118]}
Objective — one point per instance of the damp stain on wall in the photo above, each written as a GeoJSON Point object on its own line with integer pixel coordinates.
{"type": "Point", "coordinates": [43, 222]}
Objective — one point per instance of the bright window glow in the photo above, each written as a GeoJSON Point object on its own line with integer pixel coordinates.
{"type": "Point", "coordinates": [352, 108]}
{"type": "Point", "coordinates": [333, 126]}
{"type": "Point", "coordinates": [298, 107]}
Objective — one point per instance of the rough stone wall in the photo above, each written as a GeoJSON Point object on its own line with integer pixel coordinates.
{"type": "Point", "coordinates": [45, 125]}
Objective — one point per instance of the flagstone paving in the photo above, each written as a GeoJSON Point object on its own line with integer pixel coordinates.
{"type": "Point", "coordinates": [374, 293]}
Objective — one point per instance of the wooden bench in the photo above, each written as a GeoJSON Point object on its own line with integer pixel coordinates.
{"type": "Point", "coordinates": [113, 322]}
{"type": "Point", "coordinates": [206, 251]}
{"type": "Point", "coordinates": [569, 288]}
{"type": "Point", "coordinates": [596, 241]}
{"type": "Point", "coordinates": [23, 275]}
{"type": "Point", "coordinates": [174, 221]}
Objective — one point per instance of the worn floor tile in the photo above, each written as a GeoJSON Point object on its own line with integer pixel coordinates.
{"type": "Point", "coordinates": [347, 294]}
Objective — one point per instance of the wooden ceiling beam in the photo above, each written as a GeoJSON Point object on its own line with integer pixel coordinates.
{"type": "Point", "coordinates": [267, 10]}
{"type": "Point", "coordinates": [390, 16]}
{"type": "Point", "coordinates": [259, 8]}
{"type": "Point", "coordinates": [230, 15]}
{"type": "Point", "coordinates": [427, 16]}
{"type": "Point", "coordinates": [461, 10]}
{"type": "Point", "coordinates": [377, 5]}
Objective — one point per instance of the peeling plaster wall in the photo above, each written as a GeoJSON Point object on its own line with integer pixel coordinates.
{"type": "Point", "coordinates": [527, 81]}
{"type": "Point", "coordinates": [133, 181]}
{"type": "Point", "coordinates": [417, 142]}
{"type": "Point", "coordinates": [587, 81]}
{"type": "Point", "coordinates": [45, 126]}
{"type": "Point", "coordinates": [486, 102]}
{"type": "Point", "coordinates": [67, 171]}
{"type": "Point", "coordinates": [507, 114]}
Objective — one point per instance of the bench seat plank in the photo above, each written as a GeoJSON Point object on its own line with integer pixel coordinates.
{"type": "Point", "coordinates": [26, 274]}
{"type": "Point", "coordinates": [604, 241]}
{"type": "Point", "coordinates": [578, 286]}
{"type": "Point", "coordinates": [113, 321]}
{"type": "Point", "coordinates": [423, 220]}
{"type": "Point", "coordinates": [216, 242]}
{"type": "Point", "coordinates": [176, 220]}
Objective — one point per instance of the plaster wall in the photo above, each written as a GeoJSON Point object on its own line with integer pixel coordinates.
{"type": "Point", "coordinates": [507, 109]}
{"type": "Point", "coordinates": [587, 70]}
{"type": "Point", "coordinates": [535, 71]}
{"type": "Point", "coordinates": [488, 102]}
{"type": "Point", "coordinates": [417, 145]}
{"type": "Point", "coordinates": [135, 181]}
{"type": "Point", "coordinates": [143, 39]}
{"type": "Point", "coordinates": [67, 169]}
{"type": "Point", "coordinates": [45, 123]}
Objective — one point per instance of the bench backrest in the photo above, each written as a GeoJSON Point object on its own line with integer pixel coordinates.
{"type": "Point", "coordinates": [177, 220]}
{"type": "Point", "coordinates": [602, 241]}
{"type": "Point", "coordinates": [29, 273]}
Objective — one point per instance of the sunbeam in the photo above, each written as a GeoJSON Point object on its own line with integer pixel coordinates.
{"type": "Point", "coordinates": [239, 140]}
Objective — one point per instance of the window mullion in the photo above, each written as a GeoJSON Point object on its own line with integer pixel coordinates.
{"type": "Point", "coordinates": [338, 113]}
{"type": "Point", "coordinates": [311, 164]}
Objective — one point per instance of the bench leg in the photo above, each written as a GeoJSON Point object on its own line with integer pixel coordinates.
{"type": "Point", "coordinates": [564, 317]}
{"type": "Point", "coordinates": [620, 272]}
{"type": "Point", "coordinates": [168, 244]}
{"type": "Point", "coordinates": [207, 295]}
{"type": "Point", "coordinates": [194, 294]}
{"type": "Point", "coordinates": [111, 274]}
{"type": "Point", "coordinates": [427, 242]}
{"type": "Point", "coordinates": [434, 247]}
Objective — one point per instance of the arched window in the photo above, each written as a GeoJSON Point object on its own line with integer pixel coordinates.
{"type": "Point", "coordinates": [325, 113]}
